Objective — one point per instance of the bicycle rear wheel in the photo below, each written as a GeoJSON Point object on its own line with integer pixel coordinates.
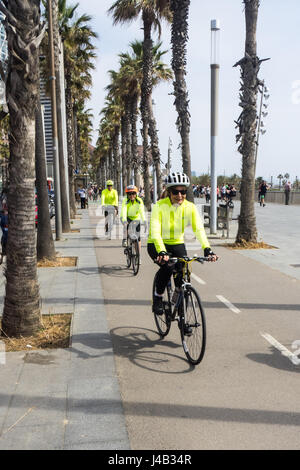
{"type": "Point", "coordinates": [192, 327]}
{"type": "Point", "coordinates": [135, 257]}
{"type": "Point", "coordinates": [163, 322]}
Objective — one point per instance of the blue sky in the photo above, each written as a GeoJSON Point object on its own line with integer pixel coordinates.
{"type": "Point", "coordinates": [277, 38]}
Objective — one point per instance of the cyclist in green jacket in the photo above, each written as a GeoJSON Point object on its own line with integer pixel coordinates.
{"type": "Point", "coordinates": [169, 218]}
{"type": "Point", "coordinates": [132, 209]}
{"type": "Point", "coordinates": [109, 202]}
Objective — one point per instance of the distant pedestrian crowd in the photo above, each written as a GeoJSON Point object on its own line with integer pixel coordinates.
{"type": "Point", "coordinates": [225, 192]}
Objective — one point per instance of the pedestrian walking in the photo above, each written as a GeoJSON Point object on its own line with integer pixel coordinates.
{"type": "Point", "coordinates": [287, 190]}
{"type": "Point", "coordinates": [82, 193]}
{"type": "Point", "coordinates": [207, 194]}
{"type": "Point", "coordinates": [263, 191]}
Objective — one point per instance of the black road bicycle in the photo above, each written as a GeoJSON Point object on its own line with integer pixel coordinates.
{"type": "Point", "coordinates": [132, 250]}
{"type": "Point", "coordinates": [187, 311]}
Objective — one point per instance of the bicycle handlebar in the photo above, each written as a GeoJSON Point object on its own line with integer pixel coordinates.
{"type": "Point", "coordinates": [187, 259]}
{"type": "Point", "coordinates": [200, 259]}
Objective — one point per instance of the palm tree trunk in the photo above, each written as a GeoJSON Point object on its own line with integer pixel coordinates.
{"type": "Point", "coordinates": [154, 146]}
{"type": "Point", "coordinates": [110, 163]}
{"type": "Point", "coordinates": [45, 242]}
{"type": "Point", "coordinates": [71, 145]}
{"type": "Point", "coordinates": [134, 140]}
{"type": "Point", "coordinates": [247, 126]}
{"type": "Point", "coordinates": [62, 170]}
{"type": "Point", "coordinates": [21, 315]}
{"type": "Point", "coordinates": [179, 38]}
{"type": "Point", "coordinates": [128, 141]}
{"type": "Point", "coordinates": [123, 151]}
{"type": "Point", "coordinates": [145, 93]}
{"type": "Point", "coordinates": [116, 151]}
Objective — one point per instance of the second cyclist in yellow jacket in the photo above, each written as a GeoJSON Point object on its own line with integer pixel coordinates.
{"type": "Point", "coordinates": [132, 210]}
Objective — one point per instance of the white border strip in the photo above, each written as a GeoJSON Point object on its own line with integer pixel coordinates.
{"type": "Point", "coordinates": [198, 279]}
{"type": "Point", "coordinates": [228, 304]}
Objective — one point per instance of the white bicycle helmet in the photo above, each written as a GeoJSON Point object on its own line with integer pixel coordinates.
{"type": "Point", "coordinates": [177, 179]}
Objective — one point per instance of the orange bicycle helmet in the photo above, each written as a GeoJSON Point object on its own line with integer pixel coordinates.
{"type": "Point", "coordinates": [131, 189]}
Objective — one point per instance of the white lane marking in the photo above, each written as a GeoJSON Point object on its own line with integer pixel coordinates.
{"type": "Point", "coordinates": [198, 279]}
{"type": "Point", "coordinates": [228, 304]}
{"type": "Point", "coordinates": [284, 351]}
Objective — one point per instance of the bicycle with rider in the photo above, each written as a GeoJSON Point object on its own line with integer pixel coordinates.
{"type": "Point", "coordinates": [132, 209]}
{"type": "Point", "coordinates": [109, 202]}
{"type": "Point", "coordinates": [170, 216]}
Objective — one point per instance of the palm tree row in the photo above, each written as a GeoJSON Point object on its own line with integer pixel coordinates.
{"type": "Point", "coordinates": [21, 315]}
{"type": "Point", "coordinates": [152, 12]}
{"type": "Point", "coordinates": [120, 116]}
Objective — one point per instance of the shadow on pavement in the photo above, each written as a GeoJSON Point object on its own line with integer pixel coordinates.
{"type": "Point", "coordinates": [116, 270]}
{"type": "Point", "coordinates": [275, 360]}
{"type": "Point", "coordinates": [138, 347]}
{"type": "Point", "coordinates": [166, 409]}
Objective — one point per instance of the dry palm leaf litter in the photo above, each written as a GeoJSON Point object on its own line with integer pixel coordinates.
{"type": "Point", "coordinates": [54, 333]}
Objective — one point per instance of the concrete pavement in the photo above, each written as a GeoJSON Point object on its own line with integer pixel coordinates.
{"type": "Point", "coordinates": [120, 387]}
{"type": "Point", "coordinates": [66, 398]}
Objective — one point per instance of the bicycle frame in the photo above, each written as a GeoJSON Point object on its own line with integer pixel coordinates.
{"type": "Point", "coordinates": [187, 311]}
{"type": "Point", "coordinates": [186, 275]}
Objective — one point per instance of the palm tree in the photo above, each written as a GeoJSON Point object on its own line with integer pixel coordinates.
{"type": "Point", "coordinates": [45, 242]}
{"type": "Point", "coordinates": [66, 227]}
{"type": "Point", "coordinates": [119, 90]}
{"type": "Point", "coordinates": [151, 11]}
{"type": "Point", "coordinates": [21, 315]}
{"type": "Point", "coordinates": [112, 112]}
{"type": "Point", "coordinates": [247, 124]}
{"type": "Point", "coordinates": [179, 38]}
{"type": "Point", "coordinates": [78, 57]}
{"type": "Point", "coordinates": [85, 127]}
{"type": "Point", "coordinates": [128, 83]}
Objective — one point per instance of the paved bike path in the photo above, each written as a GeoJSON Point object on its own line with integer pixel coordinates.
{"type": "Point", "coordinates": [244, 394]}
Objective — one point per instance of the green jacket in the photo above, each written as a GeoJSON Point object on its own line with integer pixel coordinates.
{"type": "Point", "coordinates": [168, 222]}
{"type": "Point", "coordinates": [133, 211]}
{"type": "Point", "coordinates": [109, 198]}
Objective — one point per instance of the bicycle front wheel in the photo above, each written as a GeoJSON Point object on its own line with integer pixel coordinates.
{"type": "Point", "coordinates": [163, 322]}
{"type": "Point", "coordinates": [192, 327]}
{"type": "Point", "coordinates": [127, 252]}
{"type": "Point", "coordinates": [135, 257]}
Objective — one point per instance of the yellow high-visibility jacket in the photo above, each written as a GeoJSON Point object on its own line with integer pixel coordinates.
{"type": "Point", "coordinates": [109, 198]}
{"type": "Point", "coordinates": [168, 222]}
{"type": "Point", "coordinates": [132, 210]}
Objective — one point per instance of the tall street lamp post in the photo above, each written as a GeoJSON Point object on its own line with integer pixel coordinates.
{"type": "Point", "coordinates": [215, 68]}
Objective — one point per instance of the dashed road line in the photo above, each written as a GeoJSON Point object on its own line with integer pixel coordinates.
{"type": "Point", "coordinates": [198, 279]}
{"type": "Point", "coordinates": [228, 304]}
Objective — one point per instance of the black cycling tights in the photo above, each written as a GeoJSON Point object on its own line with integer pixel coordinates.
{"type": "Point", "coordinates": [166, 270]}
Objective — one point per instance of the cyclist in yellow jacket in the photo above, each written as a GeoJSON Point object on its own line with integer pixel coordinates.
{"type": "Point", "coordinates": [109, 202]}
{"type": "Point", "coordinates": [132, 209]}
{"type": "Point", "coordinates": [169, 218]}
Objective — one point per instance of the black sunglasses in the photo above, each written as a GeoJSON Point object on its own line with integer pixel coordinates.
{"type": "Point", "coordinates": [177, 191]}
{"type": "Point", "coordinates": [131, 194]}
